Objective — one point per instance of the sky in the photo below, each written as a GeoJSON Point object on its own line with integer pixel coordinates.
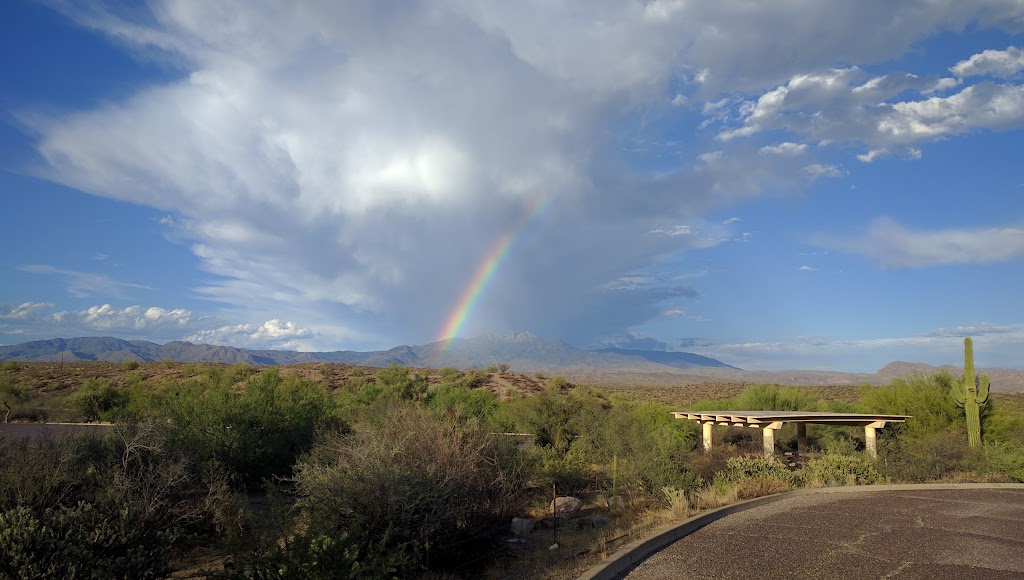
{"type": "Point", "coordinates": [793, 184]}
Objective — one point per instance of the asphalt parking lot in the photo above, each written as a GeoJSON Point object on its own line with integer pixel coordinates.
{"type": "Point", "coordinates": [934, 534]}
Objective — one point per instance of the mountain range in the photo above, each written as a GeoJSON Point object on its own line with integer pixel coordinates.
{"type": "Point", "coordinates": [522, 351]}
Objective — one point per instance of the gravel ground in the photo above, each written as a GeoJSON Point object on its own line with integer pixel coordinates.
{"type": "Point", "coordinates": [933, 534]}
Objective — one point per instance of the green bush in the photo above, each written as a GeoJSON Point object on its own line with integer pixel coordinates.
{"type": "Point", "coordinates": [464, 402]}
{"type": "Point", "coordinates": [753, 466]}
{"type": "Point", "coordinates": [130, 365]}
{"type": "Point", "coordinates": [755, 476]}
{"type": "Point", "coordinates": [396, 382]}
{"type": "Point", "coordinates": [925, 397]}
{"type": "Point", "coordinates": [409, 487]}
{"type": "Point", "coordinates": [927, 457]}
{"type": "Point", "coordinates": [1005, 458]}
{"type": "Point", "coordinates": [97, 399]}
{"type": "Point", "coordinates": [831, 470]}
{"type": "Point", "coordinates": [81, 541]}
{"type": "Point", "coordinates": [258, 432]}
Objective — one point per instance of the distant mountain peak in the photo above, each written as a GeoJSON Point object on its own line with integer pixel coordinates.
{"type": "Point", "coordinates": [514, 337]}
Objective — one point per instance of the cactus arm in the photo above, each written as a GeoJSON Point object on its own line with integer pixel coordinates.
{"type": "Point", "coordinates": [983, 388]}
{"type": "Point", "coordinates": [959, 393]}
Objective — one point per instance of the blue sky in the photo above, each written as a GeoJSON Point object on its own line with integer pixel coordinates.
{"type": "Point", "coordinates": [779, 185]}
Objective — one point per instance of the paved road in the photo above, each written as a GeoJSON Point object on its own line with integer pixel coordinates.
{"type": "Point", "coordinates": [933, 534]}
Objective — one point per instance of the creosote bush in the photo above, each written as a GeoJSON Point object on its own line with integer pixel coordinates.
{"type": "Point", "coordinates": [831, 470]}
{"type": "Point", "coordinates": [410, 488]}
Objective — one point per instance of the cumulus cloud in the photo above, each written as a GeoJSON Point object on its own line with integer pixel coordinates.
{"type": "Point", "coordinates": [785, 148]}
{"type": "Point", "coordinates": [889, 112]}
{"type": "Point", "coordinates": [353, 163]}
{"type": "Point", "coordinates": [107, 317]}
{"type": "Point", "coordinates": [997, 63]}
{"type": "Point", "coordinates": [896, 246]}
{"type": "Point", "coordinates": [24, 310]}
{"type": "Point", "coordinates": [272, 334]}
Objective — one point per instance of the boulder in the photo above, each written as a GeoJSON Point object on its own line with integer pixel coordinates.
{"type": "Point", "coordinates": [566, 506]}
{"type": "Point", "coordinates": [522, 526]}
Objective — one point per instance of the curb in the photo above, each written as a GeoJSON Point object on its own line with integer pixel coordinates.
{"type": "Point", "coordinates": [632, 554]}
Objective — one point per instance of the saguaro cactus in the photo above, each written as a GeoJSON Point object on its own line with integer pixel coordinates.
{"type": "Point", "coordinates": [971, 393]}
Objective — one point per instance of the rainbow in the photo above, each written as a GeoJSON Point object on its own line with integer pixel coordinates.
{"type": "Point", "coordinates": [485, 272]}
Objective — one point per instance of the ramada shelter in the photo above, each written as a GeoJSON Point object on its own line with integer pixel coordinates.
{"type": "Point", "coordinates": [770, 421]}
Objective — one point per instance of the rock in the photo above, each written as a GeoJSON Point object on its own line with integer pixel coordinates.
{"type": "Point", "coordinates": [522, 526]}
{"type": "Point", "coordinates": [600, 521]}
{"type": "Point", "coordinates": [567, 506]}
{"type": "Point", "coordinates": [616, 503]}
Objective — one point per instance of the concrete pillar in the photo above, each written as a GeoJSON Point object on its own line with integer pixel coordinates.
{"type": "Point", "coordinates": [769, 441]}
{"type": "Point", "coordinates": [870, 441]}
{"type": "Point", "coordinates": [707, 435]}
{"type": "Point", "coordinates": [801, 438]}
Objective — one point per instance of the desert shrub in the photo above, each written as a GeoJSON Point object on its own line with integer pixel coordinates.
{"type": "Point", "coordinates": [678, 501]}
{"type": "Point", "coordinates": [258, 432]}
{"type": "Point", "coordinates": [570, 475]}
{"type": "Point", "coordinates": [110, 507]}
{"type": "Point", "coordinates": [240, 371]}
{"type": "Point", "coordinates": [558, 383]}
{"type": "Point", "coordinates": [836, 440]}
{"type": "Point", "coordinates": [491, 369]}
{"type": "Point", "coordinates": [921, 458]}
{"type": "Point", "coordinates": [650, 447]}
{"type": "Point", "coordinates": [774, 398]}
{"type": "Point", "coordinates": [556, 418]}
{"type": "Point", "coordinates": [449, 374]}
{"type": "Point", "coordinates": [753, 476]}
{"type": "Point", "coordinates": [1003, 423]}
{"type": "Point", "coordinates": [746, 466]}
{"type": "Point", "coordinates": [81, 541]}
{"type": "Point", "coordinates": [12, 365]}
{"type": "Point", "coordinates": [313, 555]}
{"type": "Point", "coordinates": [98, 399]}
{"type": "Point", "coordinates": [708, 464]}
{"type": "Point", "coordinates": [12, 395]}
{"type": "Point", "coordinates": [411, 488]}
{"type": "Point", "coordinates": [765, 398]}
{"type": "Point", "coordinates": [44, 472]}
{"type": "Point", "coordinates": [1005, 458]}
{"type": "Point", "coordinates": [130, 365]}
{"type": "Point", "coordinates": [830, 470]}
{"type": "Point", "coordinates": [396, 382]}
{"type": "Point", "coordinates": [464, 402]}
{"type": "Point", "coordinates": [925, 397]}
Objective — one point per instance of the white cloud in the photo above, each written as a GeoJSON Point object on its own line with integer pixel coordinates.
{"type": "Point", "coordinates": [941, 347]}
{"type": "Point", "coordinates": [817, 170]}
{"type": "Point", "coordinates": [129, 318]}
{"type": "Point", "coordinates": [272, 334]}
{"type": "Point", "coordinates": [808, 269]}
{"type": "Point", "coordinates": [884, 113]}
{"type": "Point", "coordinates": [731, 220]}
{"type": "Point", "coordinates": [785, 148]}
{"type": "Point", "coordinates": [895, 246]}
{"type": "Point", "coordinates": [355, 163]}
{"type": "Point", "coordinates": [997, 63]}
{"type": "Point", "coordinates": [680, 230]}
{"type": "Point", "coordinates": [84, 284]}
{"type": "Point", "coordinates": [24, 310]}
